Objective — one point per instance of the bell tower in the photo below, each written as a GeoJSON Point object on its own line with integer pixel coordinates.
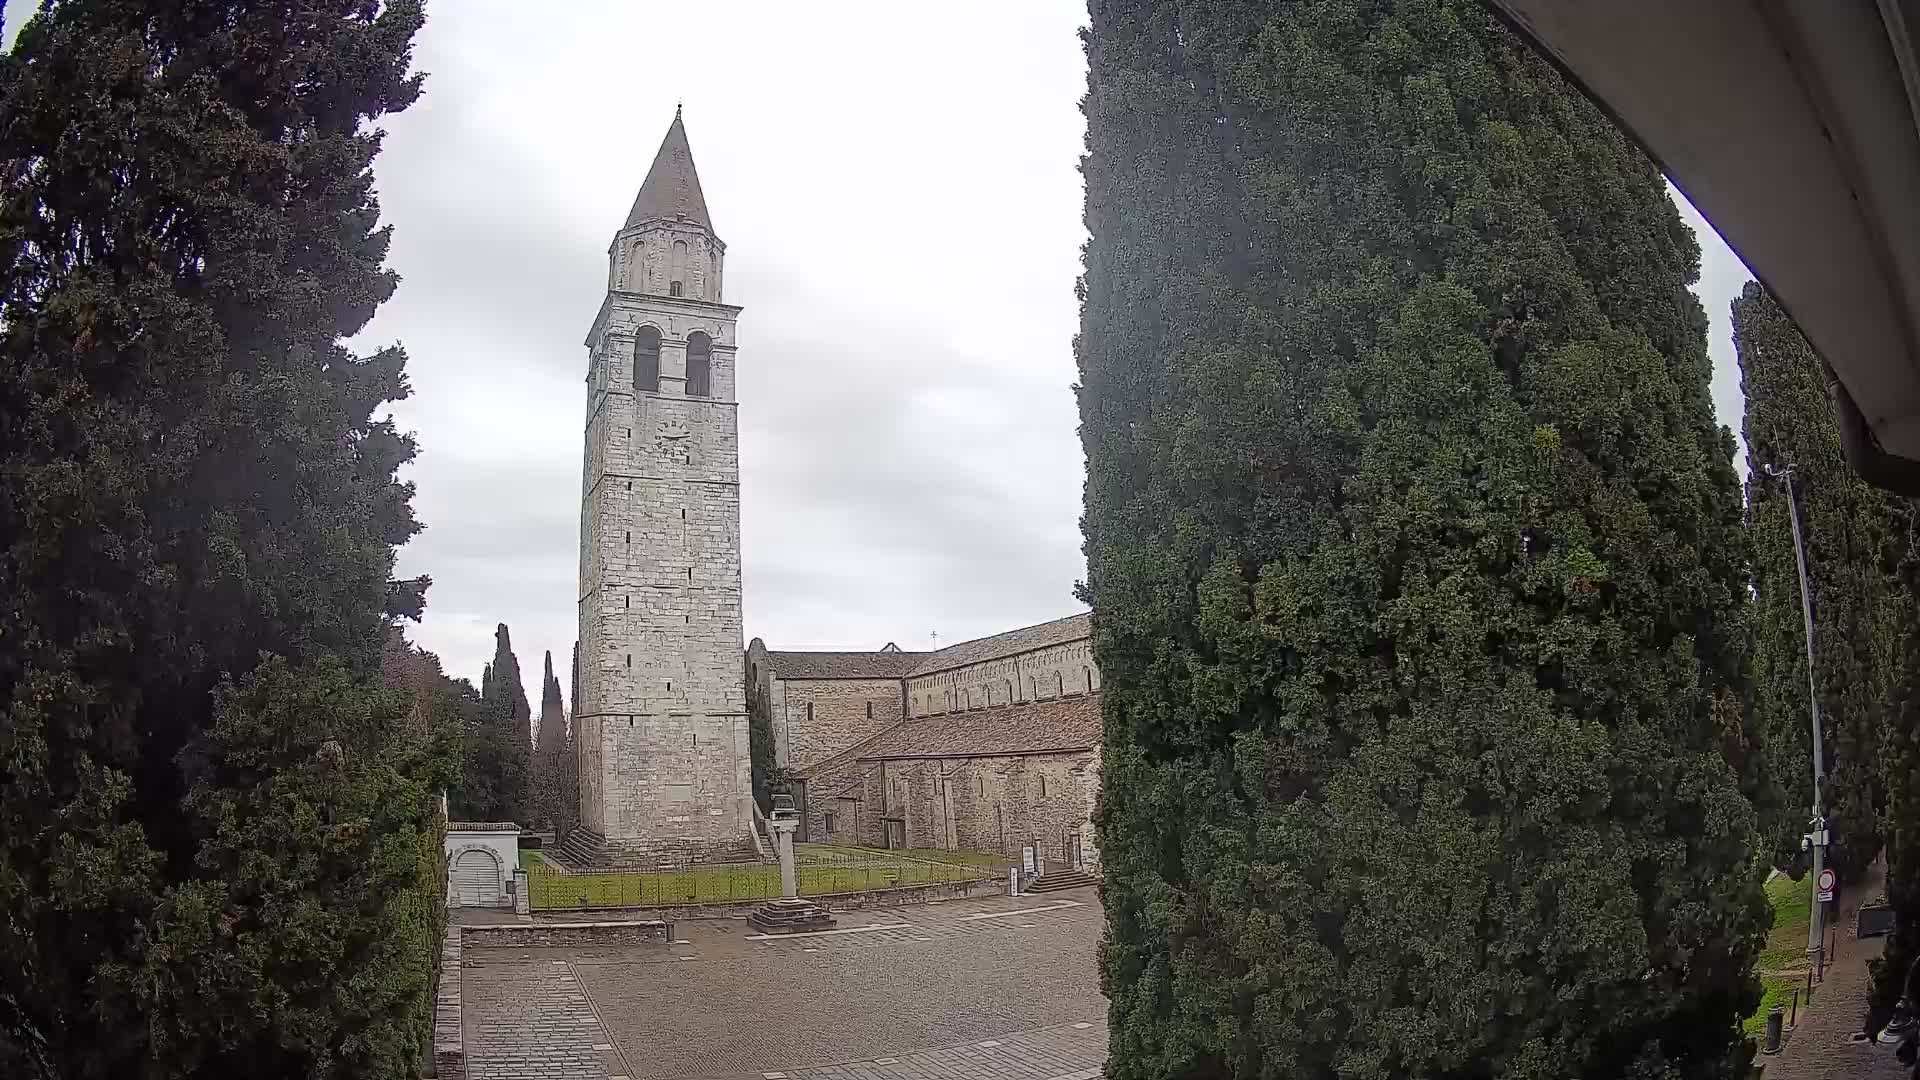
{"type": "Point", "coordinates": [662, 724]}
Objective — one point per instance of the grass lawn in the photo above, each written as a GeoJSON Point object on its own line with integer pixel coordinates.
{"type": "Point", "coordinates": [821, 871]}
{"type": "Point", "coordinates": [1792, 904]}
{"type": "Point", "coordinates": [1783, 962]}
{"type": "Point", "coordinates": [935, 855]}
{"type": "Point", "coordinates": [1774, 990]}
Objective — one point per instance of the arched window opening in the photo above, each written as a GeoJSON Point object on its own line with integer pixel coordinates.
{"type": "Point", "coordinates": [699, 365]}
{"type": "Point", "coordinates": [674, 289]}
{"type": "Point", "coordinates": [646, 360]}
{"type": "Point", "coordinates": [677, 268]}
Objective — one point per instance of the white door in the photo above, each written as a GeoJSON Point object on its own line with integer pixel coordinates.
{"type": "Point", "coordinates": [476, 879]}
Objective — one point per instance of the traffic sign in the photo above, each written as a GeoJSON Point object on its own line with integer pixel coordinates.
{"type": "Point", "coordinates": [1823, 889]}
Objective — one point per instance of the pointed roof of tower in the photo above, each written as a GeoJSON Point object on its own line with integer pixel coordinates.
{"type": "Point", "coordinates": [672, 186]}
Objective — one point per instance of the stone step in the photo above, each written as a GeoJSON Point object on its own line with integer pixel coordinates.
{"type": "Point", "coordinates": [1056, 880]}
{"type": "Point", "coordinates": [582, 848]}
{"type": "Point", "coordinates": [790, 916]}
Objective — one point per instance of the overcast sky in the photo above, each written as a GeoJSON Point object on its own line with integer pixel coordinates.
{"type": "Point", "coordinates": [897, 186]}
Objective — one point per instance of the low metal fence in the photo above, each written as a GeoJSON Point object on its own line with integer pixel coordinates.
{"type": "Point", "coordinates": [818, 874]}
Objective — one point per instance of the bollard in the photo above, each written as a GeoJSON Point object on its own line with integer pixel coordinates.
{"type": "Point", "coordinates": [1793, 1017]}
{"type": "Point", "coordinates": [1772, 1045]}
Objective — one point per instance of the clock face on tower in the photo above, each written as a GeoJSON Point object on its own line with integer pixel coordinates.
{"type": "Point", "coordinates": [673, 442]}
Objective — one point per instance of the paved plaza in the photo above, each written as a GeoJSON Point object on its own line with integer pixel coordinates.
{"type": "Point", "coordinates": [997, 988]}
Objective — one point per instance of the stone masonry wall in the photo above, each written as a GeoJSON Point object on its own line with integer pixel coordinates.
{"type": "Point", "coordinates": [663, 702]}
{"type": "Point", "coordinates": [814, 719]}
{"type": "Point", "coordinates": [643, 260]}
{"type": "Point", "coordinates": [991, 804]}
{"type": "Point", "coordinates": [1039, 675]}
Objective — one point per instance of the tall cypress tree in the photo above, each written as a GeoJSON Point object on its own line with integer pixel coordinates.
{"type": "Point", "coordinates": [1848, 529]}
{"type": "Point", "coordinates": [1415, 557]}
{"type": "Point", "coordinates": [217, 848]}
{"type": "Point", "coordinates": [509, 737]}
{"type": "Point", "coordinates": [550, 748]}
{"type": "Point", "coordinates": [1899, 770]}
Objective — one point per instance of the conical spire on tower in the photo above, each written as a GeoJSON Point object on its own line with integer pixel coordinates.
{"type": "Point", "coordinates": [672, 186]}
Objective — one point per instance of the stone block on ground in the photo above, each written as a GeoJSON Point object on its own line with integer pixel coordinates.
{"type": "Point", "coordinates": [790, 915]}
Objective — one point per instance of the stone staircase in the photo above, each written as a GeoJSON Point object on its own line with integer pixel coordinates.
{"type": "Point", "coordinates": [1056, 878]}
{"type": "Point", "coordinates": [582, 848]}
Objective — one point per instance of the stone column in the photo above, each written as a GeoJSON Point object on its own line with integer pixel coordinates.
{"type": "Point", "coordinates": [783, 831]}
{"type": "Point", "coordinates": [789, 914]}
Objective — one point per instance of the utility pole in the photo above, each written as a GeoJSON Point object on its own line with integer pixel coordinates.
{"type": "Point", "coordinates": [1815, 841]}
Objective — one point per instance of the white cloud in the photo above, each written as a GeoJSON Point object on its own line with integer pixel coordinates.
{"type": "Point", "coordinates": [898, 188]}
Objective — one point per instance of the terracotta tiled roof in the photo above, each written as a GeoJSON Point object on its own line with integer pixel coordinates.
{"type": "Point", "coordinates": [1030, 727]}
{"type": "Point", "coordinates": [1025, 639]}
{"type": "Point", "coordinates": [841, 665]}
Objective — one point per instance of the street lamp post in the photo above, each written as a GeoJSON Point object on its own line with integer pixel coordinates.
{"type": "Point", "coordinates": [1815, 841]}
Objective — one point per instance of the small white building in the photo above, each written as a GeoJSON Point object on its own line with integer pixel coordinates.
{"type": "Point", "coordinates": [481, 859]}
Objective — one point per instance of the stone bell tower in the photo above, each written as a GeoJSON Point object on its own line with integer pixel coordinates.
{"type": "Point", "coordinates": [662, 720]}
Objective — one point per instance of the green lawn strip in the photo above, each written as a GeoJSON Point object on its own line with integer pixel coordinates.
{"type": "Point", "coordinates": [1775, 990]}
{"type": "Point", "coordinates": [849, 870]}
{"type": "Point", "coordinates": [1786, 948]}
{"type": "Point", "coordinates": [960, 858]}
{"type": "Point", "coordinates": [1792, 901]}
{"type": "Point", "coordinates": [1792, 904]}
{"type": "Point", "coordinates": [931, 855]}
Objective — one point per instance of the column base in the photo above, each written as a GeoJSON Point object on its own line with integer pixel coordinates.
{"type": "Point", "coordinates": [790, 915]}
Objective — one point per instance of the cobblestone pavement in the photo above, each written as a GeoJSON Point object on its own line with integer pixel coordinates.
{"type": "Point", "coordinates": [1823, 1045]}
{"type": "Point", "coordinates": [1001, 988]}
{"type": "Point", "coordinates": [533, 1021]}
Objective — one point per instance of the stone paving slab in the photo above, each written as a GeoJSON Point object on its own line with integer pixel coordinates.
{"type": "Point", "coordinates": [1074, 1051]}
{"type": "Point", "coordinates": [1000, 990]}
{"type": "Point", "coordinates": [533, 1021]}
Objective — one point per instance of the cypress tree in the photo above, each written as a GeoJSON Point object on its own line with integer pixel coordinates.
{"type": "Point", "coordinates": [1899, 772]}
{"type": "Point", "coordinates": [217, 845]}
{"type": "Point", "coordinates": [1848, 528]}
{"type": "Point", "coordinates": [550, 752]}
{"type": "Point", "coordinates": [509, 720]}
{"type": "Point", "coordinates": [1416, 562]}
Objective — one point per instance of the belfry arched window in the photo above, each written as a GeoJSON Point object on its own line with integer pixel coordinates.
{"type": "Point", "coordinates": [646, 360]}
{"type": "Point", "coordinates": [699, 365]}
